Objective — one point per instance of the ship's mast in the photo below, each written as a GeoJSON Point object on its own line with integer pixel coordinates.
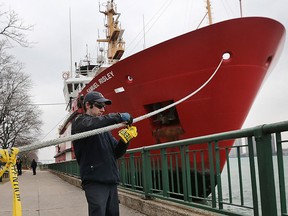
{"type": "Point", "coordinates": [208, 6]}
{"type": "Point", "coordinates": [116, 45]}
{"type": "Point", "coordinates": [70, 33]}
{"type": "Point", "coordinates": [241, 14]}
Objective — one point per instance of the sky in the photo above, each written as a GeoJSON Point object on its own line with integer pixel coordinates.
{"type": "Point", "coordinates": [49, 55]}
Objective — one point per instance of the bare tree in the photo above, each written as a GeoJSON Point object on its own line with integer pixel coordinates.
{"type": "Point", "coordinates": [13, 29]}
{"type": "Point", "coordinates": [19, 119]}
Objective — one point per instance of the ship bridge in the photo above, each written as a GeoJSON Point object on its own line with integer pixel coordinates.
{"type": "Point", "coordinates": [73, 86]}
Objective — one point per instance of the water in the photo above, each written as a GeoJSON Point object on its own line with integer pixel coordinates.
{"type": "Point", "coordinates": [247, 188]}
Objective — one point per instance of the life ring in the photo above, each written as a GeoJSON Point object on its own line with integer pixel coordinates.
{"type": "Point", "coordinates": [65, 75]}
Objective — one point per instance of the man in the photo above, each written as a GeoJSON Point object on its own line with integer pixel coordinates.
{"type": "Point", "coordinates": [19, 166]}
{"type": "Point", "coordinates": [34, 166]}
{"type": "Point", "coordinates": [96, 155]}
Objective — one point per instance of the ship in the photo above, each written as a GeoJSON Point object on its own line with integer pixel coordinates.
{"type": "Point", "coordinates": [244, 49]}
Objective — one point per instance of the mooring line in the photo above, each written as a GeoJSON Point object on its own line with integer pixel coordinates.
{"type": "Point", "coordinates": [8, 156]}
{"type": "Point", "coordinates": [52, 142]}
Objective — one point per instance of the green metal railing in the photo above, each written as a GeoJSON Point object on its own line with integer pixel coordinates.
{"type": "Point", "coordinates": [192, 171]}
{"type": "Point", "coordinates": [68, 167]}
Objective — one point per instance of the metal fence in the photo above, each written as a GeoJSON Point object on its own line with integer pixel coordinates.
{"type": "Point", "coordinates": [199, 172]}
{"type": "Point", "coordinates": [68, 167]}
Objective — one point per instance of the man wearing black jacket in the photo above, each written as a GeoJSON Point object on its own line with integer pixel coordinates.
{"type": "Point", "coordinates": [96, 155]}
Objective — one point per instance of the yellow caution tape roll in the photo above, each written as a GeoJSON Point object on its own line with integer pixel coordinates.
{"type": "Point", "coordinates": [9, 158]}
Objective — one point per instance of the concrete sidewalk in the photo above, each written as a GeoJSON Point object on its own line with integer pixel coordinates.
{"type": "Point", "coordinates": [46, 194]}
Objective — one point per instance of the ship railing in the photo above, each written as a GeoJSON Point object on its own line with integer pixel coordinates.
{"type": "Point", "coordinates": [207, 172]}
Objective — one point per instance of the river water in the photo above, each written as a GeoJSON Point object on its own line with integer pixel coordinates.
{"type": "Point", "coordinates": [246, 181]}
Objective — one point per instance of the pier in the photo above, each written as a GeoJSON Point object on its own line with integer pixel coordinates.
{"type": "Point", "coordinates": [252, 181]}
{"type": "Point", "coordinates": [158, 181]}
{"type": "Point", "coordinates": [48, 194]}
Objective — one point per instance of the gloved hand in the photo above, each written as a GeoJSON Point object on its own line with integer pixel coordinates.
{"type": "Point", "coordinates": [126, 134]}
{"type": "Point", "coordinates": [126, 117]}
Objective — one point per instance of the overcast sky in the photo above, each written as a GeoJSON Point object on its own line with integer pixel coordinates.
{"type": "Point", "coordinates": [50, 55]}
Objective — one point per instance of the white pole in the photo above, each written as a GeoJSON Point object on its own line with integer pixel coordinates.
{"type": "Point", "coordinates": [70, 42]}
{"type": "Point", "coordinates": [144, 45]}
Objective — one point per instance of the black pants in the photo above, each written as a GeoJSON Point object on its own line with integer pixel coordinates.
{"type": "Point", "coordinates": [34, 171]}
{"type": "Point", "coordinates": [102, 199]}
{"type": "Point", "coordinates": [19, 169]}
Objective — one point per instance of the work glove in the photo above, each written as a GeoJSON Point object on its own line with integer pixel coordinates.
{"type": "Point", "coordinates": [126, 117]}
{"type": "Point", "coordinates": [126, 134]}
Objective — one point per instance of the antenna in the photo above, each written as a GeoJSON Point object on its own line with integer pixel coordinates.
{"type": "Point", "coordinates": [144, 45]}
{"type": "Point", "coordinates": [98, 43]}
{"type": "Point", "coordinates": [70, 42]}
{"type": "Point", "coordinates": [86, 50]}
{"type": "Point", "coordinates": [87, 54]}
{"type": "Point", "coordinates": [240, 2]}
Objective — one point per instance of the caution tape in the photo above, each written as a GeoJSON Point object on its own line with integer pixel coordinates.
{"type": "Point", "coordinates": [8, 156]}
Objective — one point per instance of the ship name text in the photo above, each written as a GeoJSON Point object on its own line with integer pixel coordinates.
{"type": "Point", "coordinates": [101, 81]}
{"type": "Point", "coordinates": [105, 78]}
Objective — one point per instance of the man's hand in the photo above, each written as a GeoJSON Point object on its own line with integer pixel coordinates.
{"type": "Point", "coordinates": [126, 134]}
{"type": "Point", "coordinates": [126, 117]}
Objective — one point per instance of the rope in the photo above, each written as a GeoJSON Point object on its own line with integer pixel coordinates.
{"type": "Point", "coordinates": [140, 118]}
{"type": "Point", "coordinates": [35, 146]}
{"type": "Point", "coordinates": [9, 156]}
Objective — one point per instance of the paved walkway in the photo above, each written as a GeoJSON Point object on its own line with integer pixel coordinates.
{"type": "Point", "coordinates": [46, 194]}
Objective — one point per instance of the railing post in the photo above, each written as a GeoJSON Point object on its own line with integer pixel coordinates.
{"type": "Point", "coordinates": [218, 176]}
{"type": "Point", "coordinates": [281, 174]}
{"type": "Point", "coordinates": [132, 171]}
{"type": "Point", "coordinates": [253, 175]}
{"type": "Point", "coordinates": [123, 171]}
{"type": "Point", "coordinates": [211, 150]}
{"type": "Point", "coordinates": [147, 178]}
{"type": "Point", "coordinates": [266, 173]}
{"type": "Point", "coordinates": [184, 177]}
{"type": "Point", "coordinates": [165, 177]}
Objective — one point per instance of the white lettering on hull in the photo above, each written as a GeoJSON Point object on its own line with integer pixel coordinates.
{"type": "Point", "coordinates": [101, 81]}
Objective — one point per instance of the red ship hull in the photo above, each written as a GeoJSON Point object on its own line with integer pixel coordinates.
{"type": "Point", "coordinates": [171, 70]}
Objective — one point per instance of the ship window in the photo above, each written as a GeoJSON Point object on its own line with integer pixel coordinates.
{"type": "Point", "coordinates": [167, 117]}
{"type": "Point", "coordinates": [76, 86]}
{"type": "Point", "coordinates": [82, 86]}
{"type": "Point", "coordinates": [69, 86]}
